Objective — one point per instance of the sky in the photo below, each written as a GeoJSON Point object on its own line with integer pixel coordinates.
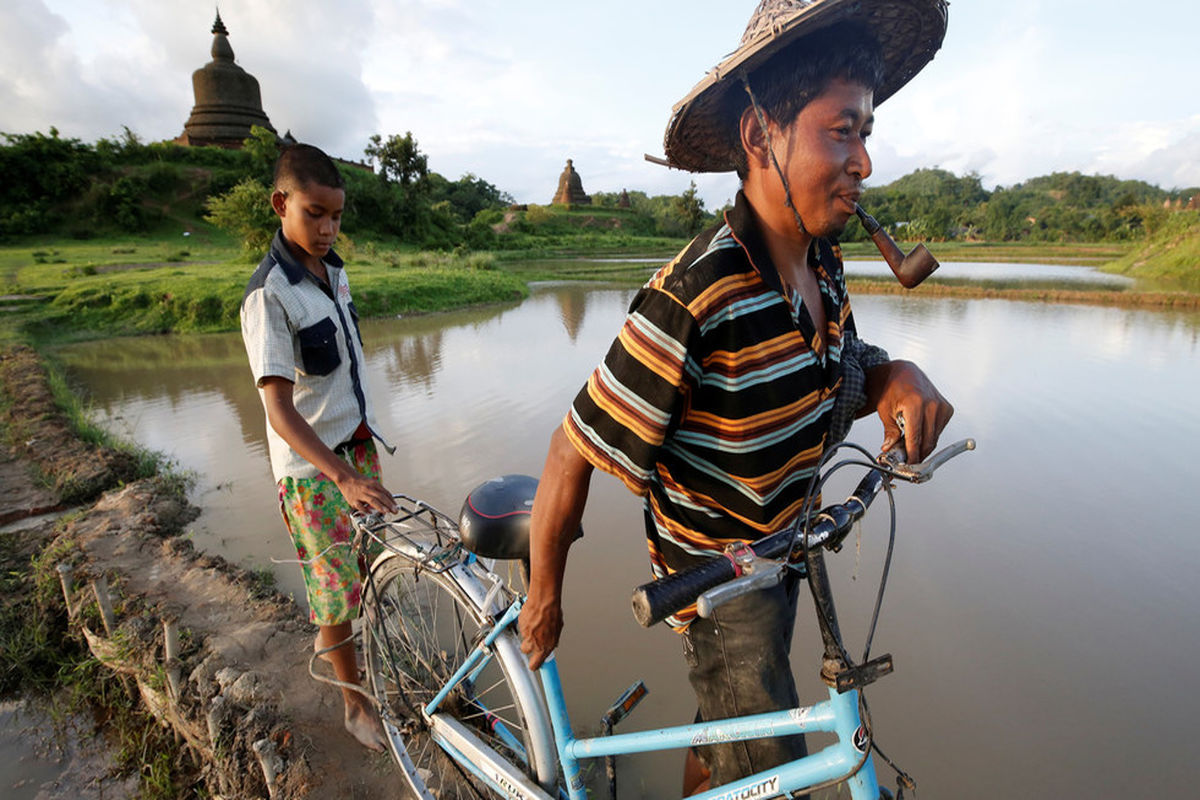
{"type": "Point", "coordinates": [507, 91]}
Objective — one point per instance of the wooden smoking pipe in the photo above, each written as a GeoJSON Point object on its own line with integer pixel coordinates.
{"type": "Point", "coordinates": [909, 269]}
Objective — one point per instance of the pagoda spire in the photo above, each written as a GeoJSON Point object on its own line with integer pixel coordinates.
{"type": "Point", "coordinates": [228, 99]}
{"type": "Point", "coordinates": [221, 49]}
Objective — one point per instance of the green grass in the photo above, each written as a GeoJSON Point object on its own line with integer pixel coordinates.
{"type": "Point", "coordinates": [146, 462]}
{"type": "Point", "coordinates": [1170, 258]}
{"type": "Point", "coordinates": [66, 290]}
{"type": "Point", "coordinates": [63, 290]}
{"type": "Point", "coordinates": [612, 269]}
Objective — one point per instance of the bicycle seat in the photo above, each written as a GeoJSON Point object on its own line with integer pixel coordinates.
{"type": "Point", "coordinates": [494, 521]}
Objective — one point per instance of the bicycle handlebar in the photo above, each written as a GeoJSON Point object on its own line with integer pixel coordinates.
{"type": "Point", "coordinates": [658, 599]}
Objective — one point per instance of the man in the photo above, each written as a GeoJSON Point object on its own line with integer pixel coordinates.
{"type": "Point", "coordinates": [739, 362]}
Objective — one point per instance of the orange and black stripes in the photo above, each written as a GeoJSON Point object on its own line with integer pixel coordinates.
{"type": "Point", "coordinates": [714, 400]}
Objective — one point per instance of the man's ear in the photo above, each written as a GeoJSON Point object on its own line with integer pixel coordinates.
{"type": "Point", "coordinates": [279, 202]}
{"type": "Point", "coordinates": [754, 139]}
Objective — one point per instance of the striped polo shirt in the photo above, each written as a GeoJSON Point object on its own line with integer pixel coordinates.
{"type": "Point", "coordinates": [714, 401]}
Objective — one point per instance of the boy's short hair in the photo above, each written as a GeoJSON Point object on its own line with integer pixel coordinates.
{"type": "Point", "coordinates": [301, 165]}
{"type": "Point", "coordinates": [796, 75]}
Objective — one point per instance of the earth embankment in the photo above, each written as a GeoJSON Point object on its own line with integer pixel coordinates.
{"type": "Point", "coordinates": [238, 691]}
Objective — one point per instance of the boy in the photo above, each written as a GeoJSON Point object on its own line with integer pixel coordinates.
{"type": "Point", "coordinates": [301, 334]}
{"type": "Point", "coordinates": [739, 362]}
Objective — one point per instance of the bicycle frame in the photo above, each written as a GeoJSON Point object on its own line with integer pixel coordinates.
{"type": "Point", "coordinates": [846, 759]}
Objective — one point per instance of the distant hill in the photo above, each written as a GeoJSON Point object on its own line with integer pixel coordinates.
{"type": "Point", "coordinates": [65, 187]}
{"type": "Point", "coordinates": [933, 204]}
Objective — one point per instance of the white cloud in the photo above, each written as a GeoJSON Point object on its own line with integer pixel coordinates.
{"type": "Point", "coordinates": [1164, 153]}
{"type": "Point", "coordinates": [44, 83]}
{"type": "Point", "coordinates": [977, 107]}
{"type": "Point", "coordinates": [97, 66]}
{"type": "Point", "coordinates": [508, 91]}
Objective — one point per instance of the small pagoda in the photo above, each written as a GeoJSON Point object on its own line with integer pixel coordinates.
{"type": "Point", "coordinates": [570, 189]}
{"type": "Point", "coordinates": [228, 100]}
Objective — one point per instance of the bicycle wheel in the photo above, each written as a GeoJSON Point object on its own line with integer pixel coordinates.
{"type": "Point", "coordinates": [420, 626]}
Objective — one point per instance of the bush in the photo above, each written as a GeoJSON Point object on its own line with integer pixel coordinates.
{"type": "Point", "coordinates": [245, 211]}
{"type": "Point", "coordinates": [538, 215]}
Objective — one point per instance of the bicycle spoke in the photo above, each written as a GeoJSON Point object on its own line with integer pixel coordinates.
{"type": "Point", "coordinates": [423, 629]}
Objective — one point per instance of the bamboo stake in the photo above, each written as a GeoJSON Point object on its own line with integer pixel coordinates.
{"type": "Point", "coordinates": [100, 588]}
{"type": "Point", "coordinates": [271, 763]}
{"type": "Point", "coordinates": [171, 653]}
{"type": "Point", "coordinates": [65, 575]}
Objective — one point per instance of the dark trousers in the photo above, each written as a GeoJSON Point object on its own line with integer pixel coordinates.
{"type": "Point", "coordinates": [738, 664]}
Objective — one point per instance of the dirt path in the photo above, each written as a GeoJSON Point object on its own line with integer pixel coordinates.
{"type": "Point", "coordinates": [243, 667]}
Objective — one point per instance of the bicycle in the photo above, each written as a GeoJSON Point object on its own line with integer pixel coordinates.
{"type": "Point", "coordinates": [464, 714]}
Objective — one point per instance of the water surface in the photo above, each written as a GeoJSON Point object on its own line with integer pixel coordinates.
{"type": "Point", "coordinates": [958, 270]}
{"type": "Point", "coordinates": [1041, 607]}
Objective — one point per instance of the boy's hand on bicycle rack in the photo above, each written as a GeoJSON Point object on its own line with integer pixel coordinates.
{"type": "Point", "coordinates": [363, 493]}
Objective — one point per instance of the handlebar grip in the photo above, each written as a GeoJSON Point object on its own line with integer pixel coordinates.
{"type": "Point", "coordinates": [655, 601]}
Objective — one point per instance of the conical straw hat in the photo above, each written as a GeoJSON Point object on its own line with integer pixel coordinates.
{"type": "Point", "coordinates": [909, 33]}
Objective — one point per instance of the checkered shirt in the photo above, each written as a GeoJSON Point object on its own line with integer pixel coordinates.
{"type": "Point", "coordinates": [304, 331]}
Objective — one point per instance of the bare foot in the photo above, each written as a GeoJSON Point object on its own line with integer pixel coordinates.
{"type": "Point", "coordinates": [364, 724]}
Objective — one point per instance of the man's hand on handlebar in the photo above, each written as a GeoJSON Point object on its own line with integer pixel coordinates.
{"type": "Point", "coordinates": [901, 389]}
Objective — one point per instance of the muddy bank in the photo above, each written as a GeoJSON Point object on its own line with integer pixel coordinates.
{"type": "Point", "coordinates": [238, 691]}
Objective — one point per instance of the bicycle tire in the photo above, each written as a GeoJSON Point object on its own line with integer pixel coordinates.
{"type": "Point", "coordinates": [419, 626]}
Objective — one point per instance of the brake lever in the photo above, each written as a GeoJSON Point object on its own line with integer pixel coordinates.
{"type": "Point", "coordinates": [766, 573]}
{"type": "Point", "coordinates": [922, 470]}
{"type": "Point", "coordinates": [754, 573]}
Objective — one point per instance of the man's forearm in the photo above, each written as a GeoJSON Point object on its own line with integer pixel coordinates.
{"type": "Point", "coordinates": [557, 512]}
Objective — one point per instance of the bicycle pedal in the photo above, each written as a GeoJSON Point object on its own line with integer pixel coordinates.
{"type": "Point", "coordinates": [625, 704]}
{"type": "Point", "coordinates": [864, 674]}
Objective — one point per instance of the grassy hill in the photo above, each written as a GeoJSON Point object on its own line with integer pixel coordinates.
{"type": "Point", "coordinates": [1169, 258]}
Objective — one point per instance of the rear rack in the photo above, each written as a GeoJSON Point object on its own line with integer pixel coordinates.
{"type": "Point", "coordinates": [417, 531]}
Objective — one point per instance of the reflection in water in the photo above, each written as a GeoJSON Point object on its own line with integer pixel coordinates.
{"type": "Point", "coordinates": [1043, 587]}
{"type": "Point", "coordinates": [572, 303]}
{"type": "Point", "coordinates": [415, 360]}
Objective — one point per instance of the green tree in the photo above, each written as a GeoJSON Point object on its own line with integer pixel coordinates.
{"type": "Point", "coordinates": [245, 211]}
{"type": "Point", "coordinates": [40, 174]}
{"type": "Point", "coordinates": [404, 178]}
{"type": "Point", "coordinates": [262, 147]}
{"type": "Point", "coordinates": [399, 159]}
{"type": "Point", "coordinates": [467, 196]}
{"type": "Point", "coordinates": [689, 207]}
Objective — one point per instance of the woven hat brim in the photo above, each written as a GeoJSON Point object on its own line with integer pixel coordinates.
{"type": "Point", "coordinates": [909, 32]}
